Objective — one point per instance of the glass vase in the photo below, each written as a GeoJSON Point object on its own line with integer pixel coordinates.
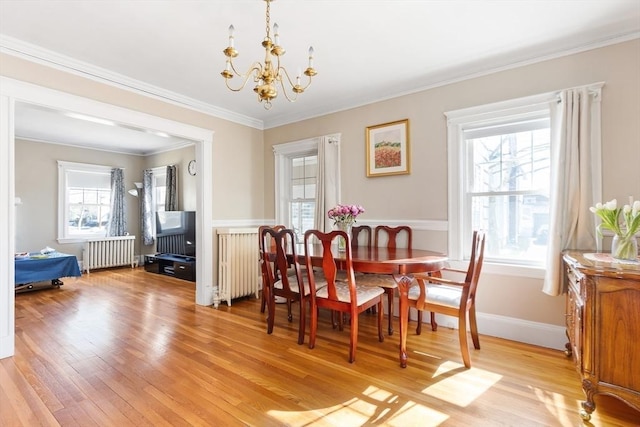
{"type": "Point", "coordinates": [624, 248]}
{"type": "Point", "coordinates": [346, 227]}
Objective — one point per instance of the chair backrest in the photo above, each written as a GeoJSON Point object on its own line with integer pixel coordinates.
{"type": "Point", "coordinates": [475, 262]}
{"type": "Point", "coordinates": [329, 267]}
{"type": "Point", "coordinates": [282, 253]}
{"type": "Point", "coordinates": [271, 245]}
{"type": "Point", "coordinates": [393, 235]}
{"type": "Point", "coordinates": [356, 230]}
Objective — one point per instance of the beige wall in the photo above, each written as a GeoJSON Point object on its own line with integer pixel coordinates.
{"type": "Point", "coordinates": [36, 180]}
{"type": "Point", "coordinates": [237, 152]}
{"type": "Point", "coordinates": [243, 163]}
{"type": "Point", "coordinates": [37, 216]}
{"type": "Point", "coordinates": [422, 195]}
{"type": "Point", "coordinates": [186, 184]}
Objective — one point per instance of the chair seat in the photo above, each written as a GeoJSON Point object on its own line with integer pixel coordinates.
{"type": "Point", "coordinates": [381, 280]}
{"type": "Point", "coordinates": [363, 293]}
{"type": "Point", "coordinates": [293, 283]}
{"type": "Point", "coordinates": [438, 294]}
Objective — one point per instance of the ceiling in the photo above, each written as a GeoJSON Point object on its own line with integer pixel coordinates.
{"type": "Point", "coordinates": [365, 51]}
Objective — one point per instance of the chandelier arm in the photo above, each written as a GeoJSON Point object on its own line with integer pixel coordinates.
{"type": "Point", "coordinates": [251, 72]}
{"type": "Point", "coordinates": [291, 98]}
{"type": "Point", "coordinates": [296, 88]}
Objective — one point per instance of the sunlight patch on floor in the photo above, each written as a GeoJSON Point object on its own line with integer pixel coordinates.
{"type": "Point", "coordinates": [353, 412]}
{"type": "Point", "coordinates": [377, 407]}
{"type": "Point", "coordinates": [556, 404]}
{"type": "Point", "coordinates": [414, 414]}
{"type": "Point", "coordinates": [462, 387]}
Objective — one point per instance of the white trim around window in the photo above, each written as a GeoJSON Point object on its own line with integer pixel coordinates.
{"type": "Point", "coordinates": [457, 122]}
{"type": "Point", "coordinates": [63, 202]}
{"type": "Point", "coordinates": [283, 153]}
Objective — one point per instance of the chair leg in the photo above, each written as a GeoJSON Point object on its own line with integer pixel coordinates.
{"type": "Point", "coordinates": [271, 307]}
{"type": "Point", "coordinates": [313, 328]}
{"type": "Point", "coordinates": [263, 300]}
{"type": "Point", "coordinates": [419, 325]}
{"type": "Point", "coordinates": [380, 316]}
{"type": "Point", "coordinates": [353, 341]}
{"type": "Point", "coordinates": [462, 335]}
{"type": "Point", "coordinates": [289, 315]}
{"type": "Point", "coordinates": [474, 327]}
{"type": "Point", "coordinates": [302, 321]}
{"type": "Point", "coordinates": [390, 293]}
{"type": "Point", "coordinates": [434, 325]}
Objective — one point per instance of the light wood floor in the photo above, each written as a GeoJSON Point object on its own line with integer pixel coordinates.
{"type": "Point", "coordinates": [125, 347]}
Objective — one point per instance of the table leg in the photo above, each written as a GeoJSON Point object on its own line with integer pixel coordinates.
{"type": "Point", "coordinates": [403, 290]}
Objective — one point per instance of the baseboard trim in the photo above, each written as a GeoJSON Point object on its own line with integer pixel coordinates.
{"type": "Point", "coordinates": [511, 328]}
{"type": "Point", "coordinates": [7, 346]}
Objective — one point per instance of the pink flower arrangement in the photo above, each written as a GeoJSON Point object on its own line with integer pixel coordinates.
{"type": "Point", "coordinates": [345, 213]}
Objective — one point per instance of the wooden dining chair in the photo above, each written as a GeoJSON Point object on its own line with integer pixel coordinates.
{"type": "Point", "coordinates": [285, 278]}
{"type": "Point", "coordinates": [453, 298]}
{"type": "Point", "coordinates": [341, 294]}
{"type": "Point", "coordinates": [393, 236]}
{"type": "Point", "coordinates": [271, 246]}
{"type": "Point", "coordinates": [356, 230]}
{"type": "Point", "coordinates": [389, 236]}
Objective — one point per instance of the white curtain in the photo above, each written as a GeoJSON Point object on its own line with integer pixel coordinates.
{"type": "Point", "coordinates": [575, 161]}
{"type": "Point", "coordinates": [148, 208]}
{"type": "Point", "coordinates": [328, 180]}
{"type": "Point", "coordinates": [117, 225]}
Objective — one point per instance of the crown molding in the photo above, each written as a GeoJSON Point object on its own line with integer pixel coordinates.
{"type": "Point", "coordinates": [33, 53]}
{"type": "Point", "coordinates": [358, 102]}
{"type": "Point", "coordinates": [39, 55]}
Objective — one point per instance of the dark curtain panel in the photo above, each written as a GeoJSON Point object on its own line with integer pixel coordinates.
{"type": "Point", "coordinates": [148, 207]}
{"type": "Point", "coordinates": [117, 225]}
{"type": "Point", "coordinates": [171, 200]}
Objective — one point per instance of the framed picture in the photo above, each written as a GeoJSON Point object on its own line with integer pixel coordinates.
{"type": "Point", "coordinates": [388, 149]}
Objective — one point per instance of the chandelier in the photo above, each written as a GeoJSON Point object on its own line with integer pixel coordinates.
{"type": "Point", "coordinates": [267, 75]}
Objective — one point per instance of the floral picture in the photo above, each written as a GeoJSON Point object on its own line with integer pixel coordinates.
{"type": "Point", "coordinates": [387, 147]}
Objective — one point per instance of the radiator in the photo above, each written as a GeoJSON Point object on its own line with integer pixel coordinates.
{"type": "Point", "coordinates": [108, 252]}
{"type": "Point", "coordinates": [238, 264]}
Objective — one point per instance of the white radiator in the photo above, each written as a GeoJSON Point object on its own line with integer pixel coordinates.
{"type": "Point", "coordinates": [238, 264]}
{"type": "Point", "coordinates": [108, 252]}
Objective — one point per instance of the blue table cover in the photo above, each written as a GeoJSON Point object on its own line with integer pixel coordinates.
{"type": "Point", "coordinates": [54, 266]}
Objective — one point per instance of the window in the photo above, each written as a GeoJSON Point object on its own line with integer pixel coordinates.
{"type": "Point", "coordinates": [499, 165]}
{"type": "Point", "coordinates": [302, 203]}
{"type": "Point", "coordinates": [159, 187]}
{"type": "Point", "coordinates": [296, 173]}
{"type": "Point", "coordinates": [84, 200]}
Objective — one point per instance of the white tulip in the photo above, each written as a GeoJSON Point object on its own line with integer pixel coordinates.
{"type": "Point", "coordinates": [611, 205]}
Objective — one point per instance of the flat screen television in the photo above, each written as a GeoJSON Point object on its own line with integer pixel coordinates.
{"type": "Point", "coordinates": [176, 232]}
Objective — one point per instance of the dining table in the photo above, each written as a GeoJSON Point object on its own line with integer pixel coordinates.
{"type": "Point", "coordinates": [401, 263]}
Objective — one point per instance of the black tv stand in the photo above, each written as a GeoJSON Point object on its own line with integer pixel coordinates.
{"type": "Point", "coordinates": [179, 266]}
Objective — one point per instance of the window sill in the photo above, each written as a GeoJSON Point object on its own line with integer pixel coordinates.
{"type": "Point", "coordinates": [512, 270]}
{"type": "Point", "coordinates": [64, 240]}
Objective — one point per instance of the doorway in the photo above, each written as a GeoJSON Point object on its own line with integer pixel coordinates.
{"type": "Point", "coordinates": [12, 91]}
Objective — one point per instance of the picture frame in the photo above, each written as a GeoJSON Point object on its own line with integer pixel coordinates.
{"type": "Point", "coordinates": [387, 149]}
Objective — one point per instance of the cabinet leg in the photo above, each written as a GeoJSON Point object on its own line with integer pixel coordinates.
{"type": "Point", "coordinates": [567, 350]}
{"type": "Point", "coordinates": [588, 406]}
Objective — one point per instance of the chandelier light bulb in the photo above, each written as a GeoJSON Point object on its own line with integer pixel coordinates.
{"type": "Point", "coordinates": [231, 30]}
{"type": "Point", "coordinates": [276, 36]}
{"type": "Point", "coordinates": [310, 56]}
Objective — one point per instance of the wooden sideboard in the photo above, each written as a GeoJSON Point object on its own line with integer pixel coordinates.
{"type": "Point", "coordinates": [603, 327]}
